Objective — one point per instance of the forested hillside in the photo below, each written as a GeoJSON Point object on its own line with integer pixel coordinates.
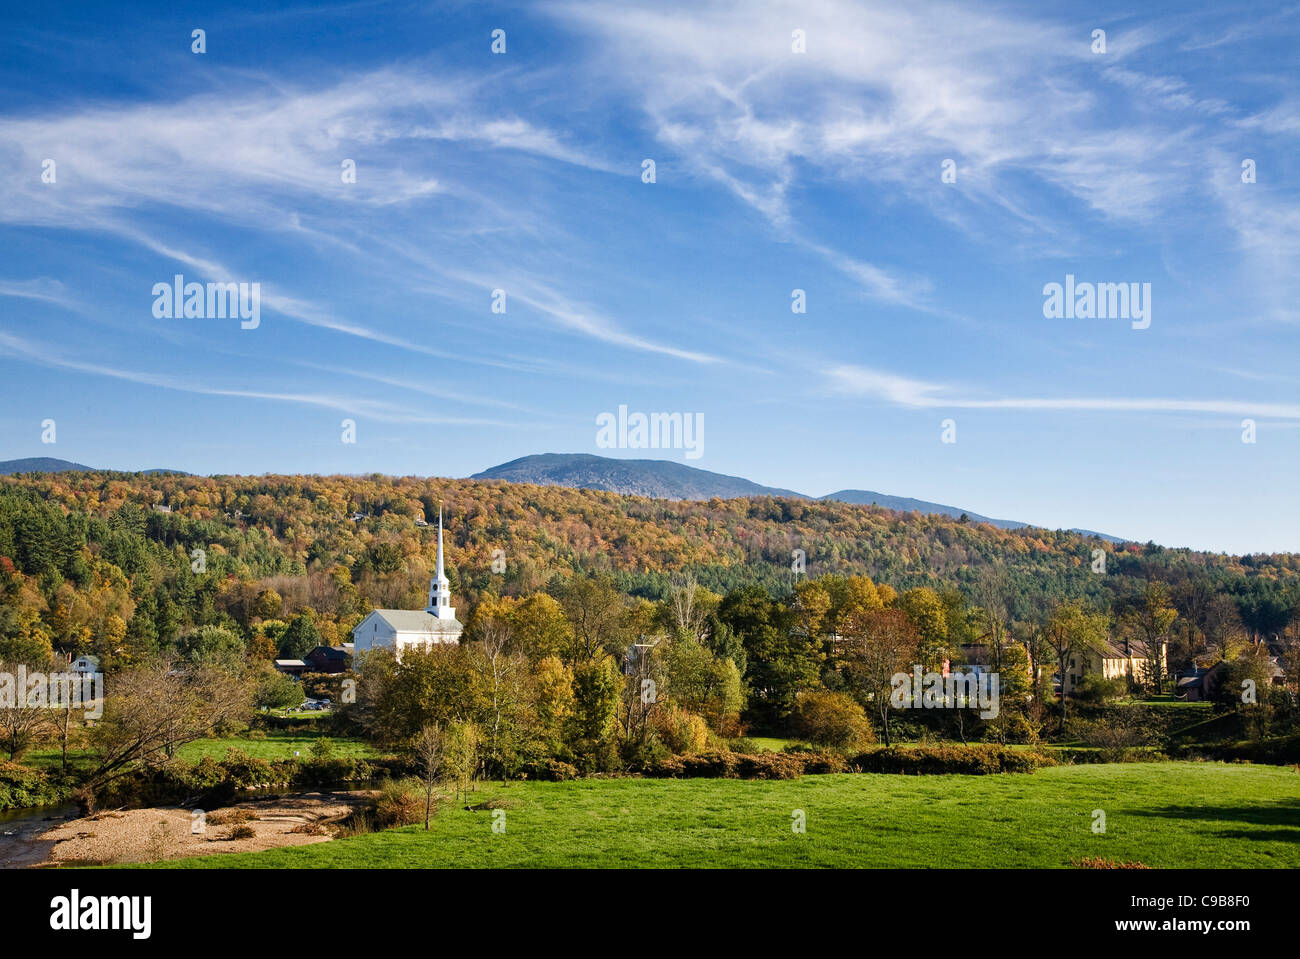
{"type": "Point", "coordinates": [108, 562]}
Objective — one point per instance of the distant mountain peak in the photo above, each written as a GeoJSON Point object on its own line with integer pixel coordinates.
{"type": "Point", "coordinates": [41, 464]}
{"type": "Point", "coordinates": [657, 479]}
{"type": "Point", "coordinates": [666, 479]}
{"type": "Point", "coordinates": [49, 464]}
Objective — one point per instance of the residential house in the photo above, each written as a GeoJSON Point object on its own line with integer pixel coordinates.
{"type": "Point", "coordinates": [85, 664]}
{"type": "Point", "coordinates": [1114, 660]}
{"type": "Point", "coordinates": [293, 667]}
{"type": "Point", "coordinates": [327, 659]}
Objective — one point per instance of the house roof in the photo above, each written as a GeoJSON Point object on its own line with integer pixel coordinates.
{"type": "Point", "coordinates": [1114, 650]}
{"type": "Point", "coordinates": [290, 662]}
{"type": "Point", "coordinates": [417, 621]}
{"type": "Point", "coordinates": [329, 652]}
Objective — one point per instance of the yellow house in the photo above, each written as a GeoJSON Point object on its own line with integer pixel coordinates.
{"type": "Point", "coordinates": [1112, 661]}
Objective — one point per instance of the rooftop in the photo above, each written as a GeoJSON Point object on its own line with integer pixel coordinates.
{"type": "Point", "coordinates": [417, 621]}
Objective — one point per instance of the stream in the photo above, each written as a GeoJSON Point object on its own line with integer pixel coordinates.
{"type": "Point", "coordinates": [19, 829]}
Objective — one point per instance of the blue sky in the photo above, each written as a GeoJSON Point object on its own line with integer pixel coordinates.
{"type": "Point", "coordinates": [775, 171]}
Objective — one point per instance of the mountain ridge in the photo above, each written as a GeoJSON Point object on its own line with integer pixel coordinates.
{"type": "Point", "coordinates": [657, 479]}
{"type": "Point", "coordinates": [51, 464]}
{"type": "Point", "coordinates": [666, 479]}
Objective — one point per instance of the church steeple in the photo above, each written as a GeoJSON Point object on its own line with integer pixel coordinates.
{"type": "Point", "coordinates": [439, 587]}
{"type": "Point", "coordinates": [441, 578]}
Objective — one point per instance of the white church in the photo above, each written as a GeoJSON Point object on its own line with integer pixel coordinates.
{"type": "Point", "coordinates": [403, 629]}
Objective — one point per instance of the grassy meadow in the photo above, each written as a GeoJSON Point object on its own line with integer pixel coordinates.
{"type": "Point", "coordinates": [276, 745]}
{"type": "Point", "coordinates": [1175, 814]}
{"type": "Point", "coordinates": [269, 746]}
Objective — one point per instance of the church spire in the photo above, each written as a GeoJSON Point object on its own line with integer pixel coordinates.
{"type": "Point", "coordinates": [440, 587]}
{"type": "Point", "coordinates": [439, 542]}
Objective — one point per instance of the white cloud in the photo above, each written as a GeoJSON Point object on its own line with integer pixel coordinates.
{"type": "Point", "coordinates": [850, 380]}
{"type": "Point", "coordinates": [42, 354]}
{"type": "Point", "coordinates": [886, 91]}
{"type": "Point", "coordinates": [881, 89]}
{"type": "Point", "coordinates": [244, 153]}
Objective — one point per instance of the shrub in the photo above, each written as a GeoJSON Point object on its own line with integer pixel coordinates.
{"type": "Point", "coordinates": [244, 771]}
{"type": "Point", "coordinates": [681, 731]}
{"type": "Point", "coordinates": [202, 775]}
{"type": "Point", "coordinates": [832, 719]}
{"type": "Point", "coordinates": [560, 771]}
{"type": "Point", "coordinates": [331, 771]}
{"type": "Point", "coordinates": [1115, 732]}
{"type": "Point", "coordinates": [1010, 725]}
{"type": "Point", "coordinates": [670, 767]}
{"type": "Point", "coordinates": [729, 765]}
{"type": "Point", "coordinates": [310, 829]}
{"type": "Point", "coordinates": [641, 755]}
{"type": "Point", "coordinates": [967, 760]}
{"type": "Point", "coordinates": [743, 744]}
{"type": "Point", "coordinates": [715, 765]}
{"type": "Point", "coordinates": [549, 770]}
{"type": "Point", "coordinates": [1278, 751]}
{"type": "Point", "coordinates": [1094, 690]}
{"type": "Point", "coordinates": [21, 787]}
{"type": "Point", "coordinates": [326, 685]}
{"type": "Point", "coordinates": [400, 803]}
{"type": "Point", "coordinates": [242, 832]}
{"type": "Point", "coordinates": [822, 763]}
{"type": "Point", "coordinates": [231, 817]}
{"type": "Point", "coordinates": [770, 766]}
{"type": "Point", "coordinates": [1097, 862]}
{"type": "Point", "coordinates": [1084, 757]}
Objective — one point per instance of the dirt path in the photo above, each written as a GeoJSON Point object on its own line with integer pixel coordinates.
{"type": "Point", "coordinates": [169, 832]}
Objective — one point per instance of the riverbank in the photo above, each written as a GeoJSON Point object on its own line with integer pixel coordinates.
{"type": "Point", "coordinates": [156, 834]}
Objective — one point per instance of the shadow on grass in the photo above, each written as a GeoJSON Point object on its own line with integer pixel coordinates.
{"type": "Point", "coordinates": [1261, 835]}
{"type": "Point", "coordinates": [1284, 812]}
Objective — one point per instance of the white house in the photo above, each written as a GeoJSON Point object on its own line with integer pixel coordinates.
{"type": "Point", "coordinates": [403, 629]}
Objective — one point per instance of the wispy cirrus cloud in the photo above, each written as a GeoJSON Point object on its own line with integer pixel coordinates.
{"type": "Point", "coordinates": [255, 157]}
{"type": "Point", "coordinates": [881, 91]}
{"type": "Point", "coordinates": [45, 289]}
{"type": "Point", "coordinates": [1028, 112]}
{"type": "Point", "coordinates": [859, 381]}
{"type": "Point", "coordinates": [43, 354]}
{"type": "Point", "coordinates": [245, 151]}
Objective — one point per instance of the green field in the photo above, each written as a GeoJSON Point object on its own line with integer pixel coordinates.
{"type": "Point", "coordinates": [1204, 815]}
{"type": "Point", "coordinates": [275, 745]}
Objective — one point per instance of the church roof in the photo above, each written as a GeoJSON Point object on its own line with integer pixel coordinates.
{"type": "Point", "coordinates": [417, 621]}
